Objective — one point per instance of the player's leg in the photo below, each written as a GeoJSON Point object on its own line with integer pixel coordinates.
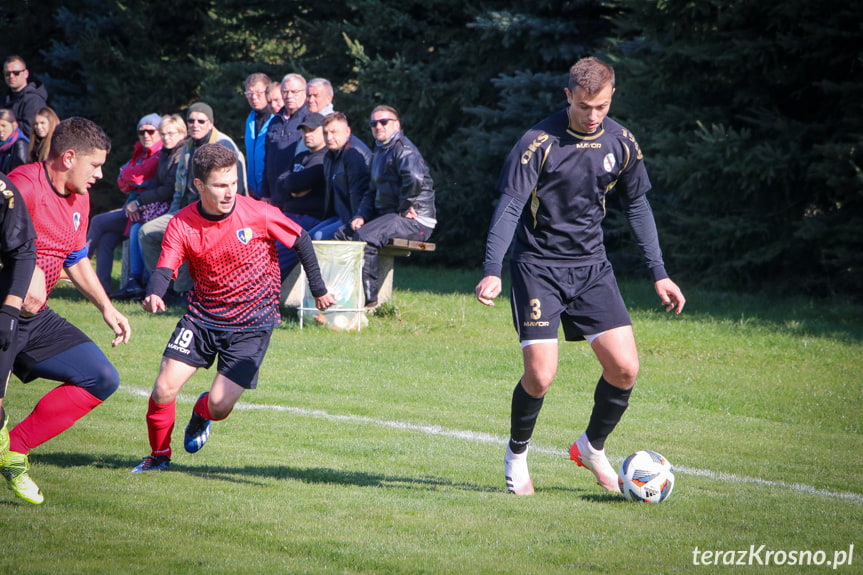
{"type": "Point", "coordinates": [162, 413]}
{"type": "Point", "coordinates": [213, 405]}
{"type": "Point", "coordinates": [6, 358]}
{"type": "Point", "coordinates": [540, 366]}
{"type": "Point", "coordinates": [240, 358]}
{"type": "Point", "coordinates": [618, 356]}
{"type": "Point", "coordinates": [600, 314]}
{"type": "Point", "coordinates": [89, 379]}
{"type": "Point", "coordinates": [190, 347]}
{"type": "Point", "coordinates": [536, 310]}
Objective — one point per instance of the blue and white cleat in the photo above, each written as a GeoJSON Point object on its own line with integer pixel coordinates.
{"type": "Point", "coordinates": [197, 432]}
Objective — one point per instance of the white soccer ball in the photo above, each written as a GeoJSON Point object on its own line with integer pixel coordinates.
{"type": "Point", "coordinates": [646, 476]}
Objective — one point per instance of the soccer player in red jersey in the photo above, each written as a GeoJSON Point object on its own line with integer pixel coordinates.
{"type": "Point", "coordinates": [47, 346]}
{"type": "Point", "coordinates": [230, 244]}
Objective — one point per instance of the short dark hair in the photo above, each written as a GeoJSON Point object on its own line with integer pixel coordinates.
{"type": "Point", "coordinates": [211, 157]}
{"type": "Point", "coordinates": [384, 108]}
{"type": "Point", "coordinates": [15, 58]}
{"type": "Point", "coordinates": [334, 117]}
{"type": "Point", "coordinates": [79, 134]}
{"type": "Point", "coordinates": [257, 78]}
{"type": "Point", "coordinates": [591, 74]}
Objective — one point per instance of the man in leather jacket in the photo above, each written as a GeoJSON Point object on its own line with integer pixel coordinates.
{"type": "Point", "coordinates": [401, 188]}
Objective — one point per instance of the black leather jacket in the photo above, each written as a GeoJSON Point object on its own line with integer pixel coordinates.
{"type": "Point", "coordinates": [400, 179]}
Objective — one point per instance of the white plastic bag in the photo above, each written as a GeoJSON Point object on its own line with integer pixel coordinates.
{"type": "Point", "coordinates": [342, 269]}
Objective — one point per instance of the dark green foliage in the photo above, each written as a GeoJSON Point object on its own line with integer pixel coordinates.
{"type": "Point", "coordinates": [750, 118]}
{"type": "Point", "coordinates": [748, 113]}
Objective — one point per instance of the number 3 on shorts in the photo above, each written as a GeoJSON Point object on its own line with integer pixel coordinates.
{"type": "Point", "coordinates": [535, 312]}
{"type": "Point", "coordinates": [184, 338]}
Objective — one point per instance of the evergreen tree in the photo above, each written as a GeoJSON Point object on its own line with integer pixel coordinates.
{"type": "Point", "coordinates": [750, 118]}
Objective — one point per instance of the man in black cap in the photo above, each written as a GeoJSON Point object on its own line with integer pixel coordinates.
{"type": "Point", "coordinates": [201, 131]}
{"type": "Point", "coordinates": [300, 192]}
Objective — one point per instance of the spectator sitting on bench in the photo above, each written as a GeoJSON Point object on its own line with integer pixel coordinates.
{"type": "Point", "coordinates": [346, 174]}
{"type": "Point", "coordinates": [403, 196]}
{"type": "Point", "coordinates": [300, 191]}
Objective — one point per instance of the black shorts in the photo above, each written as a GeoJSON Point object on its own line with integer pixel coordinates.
{"type": "Point", "coordinates": [586, 300]}
{"type": "Point", "coordinates": [43, 336]}
{"type": "Point", "coordinates": [240, 353]}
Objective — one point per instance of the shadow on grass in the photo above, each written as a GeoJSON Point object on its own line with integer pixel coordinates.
{"type": "Point", "coordinates": [248, 474]}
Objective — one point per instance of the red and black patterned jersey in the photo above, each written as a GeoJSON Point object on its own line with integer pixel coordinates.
{"type": "Point", "coordinates": [60, 221]}
{"type": "Point", "coordinates": [232, 261]}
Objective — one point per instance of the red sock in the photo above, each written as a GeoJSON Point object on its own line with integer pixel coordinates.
{"type": "Point", "coordinates": [160, 424]}
{"type": "Point", "coordinates": [202, 408]}
{"type": "Point", "coordinates": [56, 412]}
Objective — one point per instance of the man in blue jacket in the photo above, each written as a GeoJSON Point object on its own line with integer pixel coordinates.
{"type": "Point", "coordinates": [256, 131]}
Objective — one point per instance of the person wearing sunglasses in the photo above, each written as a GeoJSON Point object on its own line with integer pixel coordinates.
{"type": "Point", "coordinates": [108, 230]}
{"type": "Point", "coordinates": [26, 96]}
{"type": "Point", "coordinates": [403, 192]}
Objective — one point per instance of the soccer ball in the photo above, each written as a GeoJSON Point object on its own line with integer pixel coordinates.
{"type": "Point", "coordinates": [646, 476]}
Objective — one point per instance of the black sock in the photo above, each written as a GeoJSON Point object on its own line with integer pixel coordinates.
{"type": "Point", "coordinates": [525, 410]}
{"type": "Point", "coordinates": [609, 403]}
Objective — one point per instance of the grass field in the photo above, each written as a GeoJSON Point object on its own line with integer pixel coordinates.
{"type": "Point", "coordinates": [382, 452]}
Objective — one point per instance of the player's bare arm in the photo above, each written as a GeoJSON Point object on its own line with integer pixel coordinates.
{"type": "Point", "coordinates": [83, 276]}
{"type": "Point", "coordinates": [36, 294]}
{"type": "Point", "coordinates": [487, 289]}
{"type": "Point", "coordinates": [670, 295]}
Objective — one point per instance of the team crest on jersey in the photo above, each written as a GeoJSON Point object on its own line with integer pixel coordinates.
{"type": "Point", "coordinates": [608, 162]}
{"type": "Point", "coordinates": [76, 220]}
{"type": "Point", "coordinates": [244, 235]}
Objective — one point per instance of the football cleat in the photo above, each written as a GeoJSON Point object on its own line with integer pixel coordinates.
{"type": "Point", "coordinates": [197, 432]}
{"type": "Point", "coordinates": [153, 463]}
{"type": "Point", "coordinates": [596, 462]}
{"type": "Point", "coordinates": [516, 473]}
{"type": "Point", "coordinates": [14, 468]}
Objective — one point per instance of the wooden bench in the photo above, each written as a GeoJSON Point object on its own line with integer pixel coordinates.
{"type": "Point", "coordinates": [292, 291]}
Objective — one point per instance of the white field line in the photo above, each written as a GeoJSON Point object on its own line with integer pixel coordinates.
{"type": "Point", "coordinates": [479, 437]}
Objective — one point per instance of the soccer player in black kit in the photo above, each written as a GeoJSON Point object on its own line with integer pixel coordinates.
{"type": "Point", "coordinates": [553, 187]}
{"type": "Point", "coordinates": [18, 256]}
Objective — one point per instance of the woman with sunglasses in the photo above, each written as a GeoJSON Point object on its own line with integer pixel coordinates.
{"type": "Point", "coordinates": [108, 230]}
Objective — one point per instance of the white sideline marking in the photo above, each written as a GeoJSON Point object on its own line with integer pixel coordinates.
{"type": "Point", "coordinates": [479, 437]}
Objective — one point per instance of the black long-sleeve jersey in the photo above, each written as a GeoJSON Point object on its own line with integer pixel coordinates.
{"type": "Point", "coordinates": [17, 242]}
{"type": "Point", "coordinates": [553, 188]}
